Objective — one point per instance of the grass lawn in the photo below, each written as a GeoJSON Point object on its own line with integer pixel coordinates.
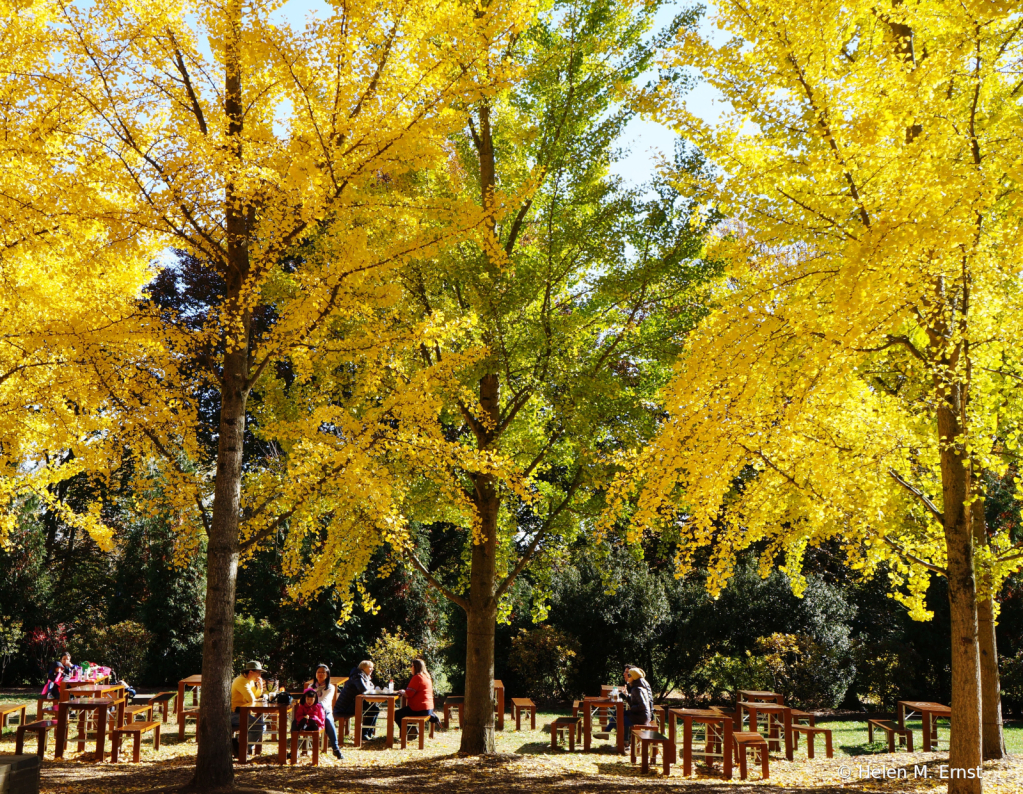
{"type": "Point", "coordinates": [524, 762]}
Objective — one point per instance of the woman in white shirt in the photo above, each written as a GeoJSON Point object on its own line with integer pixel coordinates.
{"type": "Point", "coordinates": [325, 697]}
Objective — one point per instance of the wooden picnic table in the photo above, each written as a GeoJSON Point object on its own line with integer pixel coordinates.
{"type": "Point", "coordinates": [774, 711]}
{"type": "Point", "coordinates": [8, 710]}
{"type": "Point", "coordinates": [930, 713]}
{"type": "Point", "coordinates": [711, 720]}
{"type": "Point", "coordinates": [98, 691]}
{"type": "Point", "coordinates": [591, 703]}
{"type": "Point", "coordinates": [383, 697]}
{"type": "Point", "coordinates": [193, 681]}
{"type": "Point", "coordinates": [97, 705]}
{"type": "Point", "coordinates": [756, 696]}
{"type": "Point", "coordinates": [281, 711]}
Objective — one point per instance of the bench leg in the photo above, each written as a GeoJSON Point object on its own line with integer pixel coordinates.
{"type": "Point", "coordinates": [827, 745]}
{"type": "Point", "coordinates": [870, 733]}
{"type": "Point", "coordinates": [644, 767]}
{"type": "Point", "coordinates": [669, 753]}
{"type": "Point", "coordinates": [294, 749]}
{"type": "Point", "coordinates": [571, 738]}
{"type": "Point", "coordinates": [518, 717]}
{"type": "Point", "coordinates": [19, 740]}
{"type": "Point", "coordinates": [554, 738]}
{"type": "Point", "coordinates": [764, 771]}
{"type": "Point", "coordinates": [156, 738]}
{"type": "Point", "coordinates": [136, 750]}
{"type": "Point", "coordinates": [115, 747]}
{"type": "Point", "coordinates": [909, 741]}
{"type": "Point", "coordinates": [742, 762]}
{"type": "Point", "coordinates": [532, 719]}
{"type": "Point", "coordinates": [891, 741]}
{"type": "Point", "coordinates": [809, 745]}
{"type": "Point", "coordinates": [316, 752]}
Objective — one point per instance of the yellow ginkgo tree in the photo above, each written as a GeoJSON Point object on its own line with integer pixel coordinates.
{"type": "Point", "coordinates": [284, 162]}
{"type": "Point", "coordinates": [853, 383]}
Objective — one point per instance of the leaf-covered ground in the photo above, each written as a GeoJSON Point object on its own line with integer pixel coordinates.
{"type": "Point", "coordinates": [524, 762]}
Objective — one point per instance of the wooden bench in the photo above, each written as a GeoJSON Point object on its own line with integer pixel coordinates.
{"type": "Point", "coordinates": [40, 727]}
{"type": "Point", "coordinates": [132, 712]}
{"type": "Point", "coordinates": [750, 740]}
{"type": "Point", "coordinates": [313, 737]}
{"type": "Point", "coordinates": [659, 716]}
{"type": "Point", "coordinates": [42, 709]}
{"type": "Point", "coordinates": [451, 702]}
{"type": "Point", "coordinates": [183, 717]}
{"type": "Point", "coordinates": [648, 738]}
{"type": "Point", "coordinates": [420, 723]}
{"type": "Point", "coordinates": [570, 726]}
{"type": "Point", "coordinates": [162, 701]}
{"type": "Point", "coordinates": [136, 729]}
{"type": "Point", "coordinates": [8, 710]}
{"type": "Point", "coordinates": [809, 732]}
{"type": "Point", "coordinates": [891, 729]}
{"type": "Point", "coordinates": [803, 717]}
{"type": "Point", "coordinates": [651, 726]}
{"type": "Point", "coordinates": [517, 705]}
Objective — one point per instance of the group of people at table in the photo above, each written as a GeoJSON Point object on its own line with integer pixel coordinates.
{"type": "Point", "coordinates": [322, 703]}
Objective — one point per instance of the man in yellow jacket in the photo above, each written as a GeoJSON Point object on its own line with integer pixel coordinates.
{"type": "Point", "coordinates": [247, 690]}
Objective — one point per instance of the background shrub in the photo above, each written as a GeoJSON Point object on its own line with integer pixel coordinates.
{"type": "Point", "coordinates": [546, 660]}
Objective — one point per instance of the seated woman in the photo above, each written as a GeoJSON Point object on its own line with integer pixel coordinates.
{"type": "Point", "coordinates": [418, 695]}
{"type": "Point", "coordinates": [641, 700]}
{"type": "Point", "coordinates": [309, 714]}
{"type": "Point", "coordinates": [360, 680]}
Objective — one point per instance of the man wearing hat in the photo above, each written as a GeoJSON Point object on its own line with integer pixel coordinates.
{"type": "Point", "coordinates": [246, 690]}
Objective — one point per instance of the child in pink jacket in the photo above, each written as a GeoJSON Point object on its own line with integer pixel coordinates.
{"type": "Point", "coordinates": [309, 714]}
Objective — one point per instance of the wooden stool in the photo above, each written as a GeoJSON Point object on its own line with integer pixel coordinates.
{"type": "Point", "coordinates": [183, 718]}
{"type": "Point", "coordinates": [450, 702]}
{"type": "Point", "coordinates": [420, 722]}
{"type": "Point", "coordinates": [314, 739]}
{"type": "Point", "coordinates": [891, 729]}
{"type": "Point", "coordinates": [750, 740]}
{"type": "Point", "coordinates": [648, 738]}
{"type": "Point", "coordinates": [39, 727]}
{"type": "Point", "coordinates": [145, 709]}
{"type": "Point", "coordinates": [162, 701]}
{"type": "Point", "coordinates": [810, 732]}
{"type": "Point", "coordinates": [8, 710]}
{"type": "Point", "coordinates": [341, 726]}
{"type": "Point", "coordinates": [517, 705]}
{"type": "Point", "coordinates": [136, 729]}
{"type": "Point", "coordinates": [570, 725]}
{"type": "Point", "coordinates": [804, 717]}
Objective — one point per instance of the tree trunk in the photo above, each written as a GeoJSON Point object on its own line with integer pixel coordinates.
{"type": "Point", "coordinates": [478, 730]}
{"type": "Point", "coordinates": [992, 734]}
{"type": "Point", "coordinates": [214, 765]}
{"type": "Point", "coordinates": [964, 748]}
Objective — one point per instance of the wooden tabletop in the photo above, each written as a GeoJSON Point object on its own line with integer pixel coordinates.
{"type": "Point", "coordinates": [761, 706]}
{"type": "Point", "coordinates": [702, 713]}
{"type": "Point", "coordinates": [754, 693]}
{"type": "Point", "coordinates": [192, 680]}
{"type": "Point", "coordinates": [923, 705]}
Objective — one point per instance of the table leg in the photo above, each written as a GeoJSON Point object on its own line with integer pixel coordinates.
{"type": "Point", "coordinates": [752, 719]}
{"type": "Point", "coordinates": [787, 727]}
{"type": "Point", "coordinates": [902, 715]}
{"type": "Point", "coordinates": [687, 747]}
{"type": "Point", "coordinates": [282, 735]}
{"type": "Point", "coordinates": [926, 717]}
{"type": "Point", "coordinates": [61, 743]}
{"type": "Point", "coordinates": [726, 750]}
{"type": "Point", "coordinates": [672, 724]}
{"type": "Point", "coordinates": [587, 725]}
{"type": "Point", "coordinates": [180, 706]}
{"type": "Point", "coordinates": [500, 709]}
{"type": "Point", "coordinates": [620, 715]}
{"type": "Point", "coordinates": [243, 734]}
{"type": "Point", "coordinates": [101, 735]}
{"type": "Point", "coordinates": [357, 734]}
{"type": "Point", "coordinates": [390, 722]}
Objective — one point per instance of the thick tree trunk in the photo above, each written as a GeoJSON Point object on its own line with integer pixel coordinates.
{"type": "Point", "coordinates": [964, 750]}
{"type": "Point", "coordinates": [478, 730]}
{"type": "Point", "coordinates": [992, 734]}
{"type": "Point", "coordinates": [214, 765]}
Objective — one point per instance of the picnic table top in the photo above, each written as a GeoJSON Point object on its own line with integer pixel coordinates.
{"type": "Point", "coordinates": [7, 708]}
{"type": "Point", "coordinates": [765, 706]}
{"type": "Point", "coordinates": [754, 693]}
{"type": "Point", "coordinates": [86, 703]}
{"type": "Point", "coordinates": [192, 680]}
{"type": "Point", "coordinates": [924, 705]}
{"type": "Point", "coordinates": [97, 690]}
{"type": "Point", "coordinates": [702, 713]}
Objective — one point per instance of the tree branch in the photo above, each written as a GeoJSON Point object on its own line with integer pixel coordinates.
{"type": "Point", "coordinates": [936, 514]}
{"type": "Point", "coordinates": [455, 599]}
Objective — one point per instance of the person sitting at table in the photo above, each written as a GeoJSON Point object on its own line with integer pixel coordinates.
{"type": "Point", "coordinates": [325, 697]}
{"type": "Point", "coordinates": [309, 714]}
{"type": "Point", "coordinates": [359, 682]}
{"type": "Point", "coordinates": [56, 673]}
{"type": "Point", "coordinates": [247, 690]}
{"type": "Point", "coordinates": [640, 709]}
{"type": "Point", "coordinates": [612, 722]}
{"type": "Point", "coordinates": [418, 694]}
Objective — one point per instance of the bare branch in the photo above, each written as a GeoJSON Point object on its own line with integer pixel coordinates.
{"type": "Point", "coordinates": [936, 514]}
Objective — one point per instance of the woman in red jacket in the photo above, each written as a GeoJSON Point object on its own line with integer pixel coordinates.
{"type": "Point", "coordinates": [418, 695]}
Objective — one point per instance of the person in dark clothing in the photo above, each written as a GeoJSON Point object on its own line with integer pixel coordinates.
{"type": "Point", "coordinates": [360, 681]}
{"type": "Point", "coordinates": [640, 710]}
{"type": "Point", "coordinates": [56, 673]}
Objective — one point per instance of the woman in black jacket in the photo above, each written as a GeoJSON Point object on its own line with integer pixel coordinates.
{"type": "Point", "coordinates": [360, 681]}
{"type": "Point", "coordinates": [641, 700]}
